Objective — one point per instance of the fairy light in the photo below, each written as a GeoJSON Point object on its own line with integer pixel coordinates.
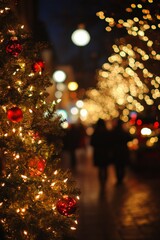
{"type": "Point", "coordinates": [76, 222]}
{"type": "Point", "coordinates": [53, 207]}
{"type": "Point", "coordinates": [40, 193]}
{"type": "Point", "coordinates": [73, 228]}
{"type": "Point", "coordinates": [52, 184]}
{"type": "Point", "coordinates": [24, 177]}
{"type": "Point", "coordinates": [25, 232]}
{"type": "Point", "coordinates": [17, 156]}
{"type": "Point", "coordinates": [17, 210]}
{"type": "Point", "coordinates": [13, 130]}
{"type": "Point", "coordinates": [78, 197]}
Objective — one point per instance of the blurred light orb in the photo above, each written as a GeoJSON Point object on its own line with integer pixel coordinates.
{"type": "Point", "coordinates": [59, 76]}
{"type": "Point", "coordinates": [146, 131]}
{"type": "Point", "coordinates": [74, 110]}
{"type": "Point", "coordinates": [58, 94]}
{"type": "Point", "coordinates": [60, 86]}
{"type": "Point", "coordinates": [83, 112]}
{"type": "Point", "coordinates": [79, 103]}
{"type": "Point", "coordinates": [72, 86]}
{"type": "Point", "coordinates": [80, 37]}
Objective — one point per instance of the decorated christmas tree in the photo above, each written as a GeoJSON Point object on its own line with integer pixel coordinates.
{"type": "Point", "coordinates": [37, 199]}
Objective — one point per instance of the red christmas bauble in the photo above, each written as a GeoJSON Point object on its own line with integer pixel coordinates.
{"type": "Point", "coordinates": [15, 114]}
{"type": "Point", "coordinates": [38, 66]}
{"type": "Point", "coordinates": [14, 48]}
{"type": "Point", "coordinates": [66, 205]}
{"type": "Point", "coordinates": [36, 166]}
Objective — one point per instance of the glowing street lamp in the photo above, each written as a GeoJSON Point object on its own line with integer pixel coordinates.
{"type": "Point", "coordinates": [59, 76]}
{"type": "Point", "coordinates": [80, 36]}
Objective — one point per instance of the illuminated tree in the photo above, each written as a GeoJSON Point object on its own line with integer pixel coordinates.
{"type": "Point", "coordinates": [38, 200]}
{"type": "Point", "coordinates": [130, 77]}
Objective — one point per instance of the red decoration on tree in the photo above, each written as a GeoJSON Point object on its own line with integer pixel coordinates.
{"type": "Point", "coordinates": [15, 114]}
{"type": "Point", "coordinates": [36, 136]}
{"type": "Point", "coordinates": [36, 166]}
{"type": "Point", "coordinates": [38, 66]}
{"type": "Point", "coordinates": [66, 206]}
{"type": "Point", "coordinates": [14, 48]}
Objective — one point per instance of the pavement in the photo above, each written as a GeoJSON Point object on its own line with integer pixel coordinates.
{"type": "Point", "coordinates": [130, 211]}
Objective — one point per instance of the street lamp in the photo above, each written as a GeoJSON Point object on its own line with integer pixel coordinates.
{"type": "Point", "coordinates": [80, 36]}
{"type": "Point", "coordinates": [59, 76]}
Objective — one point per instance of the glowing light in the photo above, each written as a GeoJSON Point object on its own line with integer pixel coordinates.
{"type": "Point", "coordinates": [60, 86]}
{"type": "Point", "coordinates": [79, 103]}
{"type": "Point", "coordinates": [146, 131]}
{"type": "Point", "coordinates": [139, 122]}
{"type": "Point", "coordinates": [58, 94]}
{"type": "Point", "coordinates": [83, 112]}
{"type": "Point", "coordinates": [72, 86]}
{"type": "Point", "coordinates": [59, 76]}
{"type": "Point", "coordinates": [74, 110]}
{"type": "Point", "coordinates": [156, 124]}
{"type": "Point", "coordinates": [25, 232]}
{"type": "Point", "coordinates": [80, 37]}
{"type": "Point", "coordinates": [73, 228]}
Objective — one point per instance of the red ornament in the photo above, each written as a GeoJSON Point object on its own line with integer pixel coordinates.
{"type": "Point", "coordinates": [66, 206]}
{"type": "Point", "coordinates": [15, 114]}
{"type": "Point", "coordinates": [38, 66]}
{"type": "Point", "coordinates": [36, 166]}
{"type": "Point", "coordinates": [14, 48]}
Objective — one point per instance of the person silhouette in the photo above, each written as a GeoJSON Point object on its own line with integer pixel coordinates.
{"type": "Point", "coordinates": [75, 138]}
{"type": "Point", "coordinates": [120, 137]}
{"type": "Point", "coordinates": [101, 147]}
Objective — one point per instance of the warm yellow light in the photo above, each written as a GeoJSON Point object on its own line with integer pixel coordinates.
{"type": "Point", "coordinates": [72, 86]}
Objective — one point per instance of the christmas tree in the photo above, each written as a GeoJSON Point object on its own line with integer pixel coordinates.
{"type": "Point", "coordinates": [129, 80]}
{"type": "Point", "coordinates": [38, 200]}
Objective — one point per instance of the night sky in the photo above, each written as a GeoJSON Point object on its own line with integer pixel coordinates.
{"type": "Point", "coordinates": [62, 17]}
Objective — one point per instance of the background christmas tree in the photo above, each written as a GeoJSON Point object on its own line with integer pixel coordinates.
{"type": "Point", "coordinates": [129, 80]}
{"type": "Point", "coordinates": [38, 200]}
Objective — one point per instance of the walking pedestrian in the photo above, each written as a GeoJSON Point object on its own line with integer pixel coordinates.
{"type": "Point", "coordinates": [120, 137]}
{"type": "Point", "coordinates": [100, 141]}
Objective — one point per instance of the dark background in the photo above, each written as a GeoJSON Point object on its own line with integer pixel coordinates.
{"type": "Point", "coordinates": [54, 21]}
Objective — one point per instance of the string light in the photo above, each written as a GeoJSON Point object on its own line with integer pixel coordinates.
{"type": "Point", "coordinates": [125, 82]}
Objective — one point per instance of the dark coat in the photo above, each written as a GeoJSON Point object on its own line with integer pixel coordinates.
{"type": "Point", "coordinates": [120, 138]}
{"type": "Point", "coordinates": [100, 143]}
